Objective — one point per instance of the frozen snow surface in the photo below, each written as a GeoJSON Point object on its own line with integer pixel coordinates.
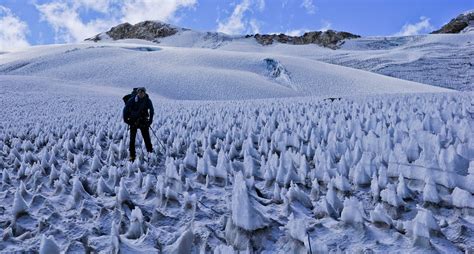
{"type": "Point", "coordinates": [265, 149]}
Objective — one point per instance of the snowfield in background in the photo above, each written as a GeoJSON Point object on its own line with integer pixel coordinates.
{"type": "Point", "coordinates": [201, 73]}
{"type": "Point", "coordinates": [444, 60]}
{"type": "Point", "coordinates": [384, 173]}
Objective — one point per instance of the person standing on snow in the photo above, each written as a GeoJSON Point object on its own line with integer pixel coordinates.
{"type": "Point", "coordinates": [138, 114]}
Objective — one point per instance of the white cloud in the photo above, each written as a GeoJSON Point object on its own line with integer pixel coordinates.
{"type": "Point", "coordinates": [135, 11]}
{"type": "Point", "coordinates": [255, 26]}
{"type": "Point", "coordinates": [309, 6]}
{"type": "Point", "coordinates": [261, 5]}
{"type": "Point", "coordinates": [424, 26]}
{"type": "Point", "coordinates": [13, 31]}
{"type": "Point", "coordinates": [67, 24]}
{"type": "Point", "coordinates": [326, 26]}
{"type": "Point", "coordinates": [99, 6]}
{"type": "Point", "coordinates": [296, 32]}
{"type": "Point", "coordinates": [65, 15]}
{"type": "Point", "coordinates": [237, 23]}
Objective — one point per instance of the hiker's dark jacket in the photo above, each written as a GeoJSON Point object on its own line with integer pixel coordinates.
{"type": "Point", "coordinates": [136, 113]}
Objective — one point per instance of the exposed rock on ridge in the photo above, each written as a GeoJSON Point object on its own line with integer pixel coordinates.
{"type": "Point", "coordinates": [146, 30]}
{"type": "Point", "coordinates": [330, 39]}
{"type": "Point", "coordinates": [457, 24]}
{"type": "Point", "coordinates": [154, 30]}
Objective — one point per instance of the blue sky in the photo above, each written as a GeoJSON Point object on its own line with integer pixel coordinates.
{"type": "Point", "coordinates": [33, 22]}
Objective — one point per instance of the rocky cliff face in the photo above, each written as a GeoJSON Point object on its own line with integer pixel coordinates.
{"type": "Point", "coordinates": [458, 24]}
{"type": "Point", "coordinates": [330, 39]}
{"type": "Point", "coordinates": [154, 30]}
{"type": "Point", "coordinates": [146, 30]}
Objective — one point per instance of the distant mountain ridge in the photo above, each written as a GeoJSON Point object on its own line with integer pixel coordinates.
{"type": "Point", "coordinates": [156, 30]}
{"type": "Point", "coordinates": [330, 39]}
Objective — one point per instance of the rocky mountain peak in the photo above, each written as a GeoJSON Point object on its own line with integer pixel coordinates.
{"type": "Point", "coordinates": [458, 24]}
{"type": "Point", "coordinates": [146, 30]}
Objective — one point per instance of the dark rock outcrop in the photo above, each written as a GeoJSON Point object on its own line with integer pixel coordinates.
{"type": "Point", "coordinates": [330, 39]}
{"type": "Point", "coordinates": [146, 30]}
{"type": "Point", "coordinates": [457, 24]}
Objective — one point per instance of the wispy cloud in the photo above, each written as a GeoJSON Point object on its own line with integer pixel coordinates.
{"type": "Point", "coordinates": [424, 26]}
{"type": "Point", "coordinates": [65, 20]}
{"type": "Point", "coordinates": [237, 23]}
{"type": "Point", "coordinates": [13, 31]}
{"type": "Point", "coordinates": [297, 32]}
{"type": "Point", "coordinates": [255, 26]}
{"type": "Point", "coordinates": [261, 5]}
{"type": "Point", "coordinates": [139, 10]}
{"type": "Point", "coordinates": [64, 16]}
{"type": "Point", "coordinates": [309, 6]}
{"type": "Point", "coordinates": [326, 26]}
{"type": "Point", "coordinates": [99, 6]}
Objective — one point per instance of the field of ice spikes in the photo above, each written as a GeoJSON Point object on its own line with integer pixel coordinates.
{"type": "Point", "coordinates": [388, 173]}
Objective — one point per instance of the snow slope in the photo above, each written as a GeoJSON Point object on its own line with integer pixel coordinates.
{"type": "Point", "coordinates": [444, 60]}
{"type": "Point", "coordinates": [201, 74]}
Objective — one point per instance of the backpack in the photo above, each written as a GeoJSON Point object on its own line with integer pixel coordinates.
{"type": "Point", "coordinates": [127, 97]}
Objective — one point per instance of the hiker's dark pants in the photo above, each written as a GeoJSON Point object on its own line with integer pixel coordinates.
{"type": "Point", "coordinates": [146, 137]}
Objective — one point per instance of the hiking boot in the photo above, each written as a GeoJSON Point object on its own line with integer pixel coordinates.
{"type": "Point", "coordinates": [132, 158]}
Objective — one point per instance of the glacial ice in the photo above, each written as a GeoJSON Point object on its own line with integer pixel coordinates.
{"type": "Point", "coordinates": [332, 165]}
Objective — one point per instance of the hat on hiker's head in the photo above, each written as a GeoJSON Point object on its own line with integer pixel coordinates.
{"type": "Point", "coordinates": [141, 89]}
